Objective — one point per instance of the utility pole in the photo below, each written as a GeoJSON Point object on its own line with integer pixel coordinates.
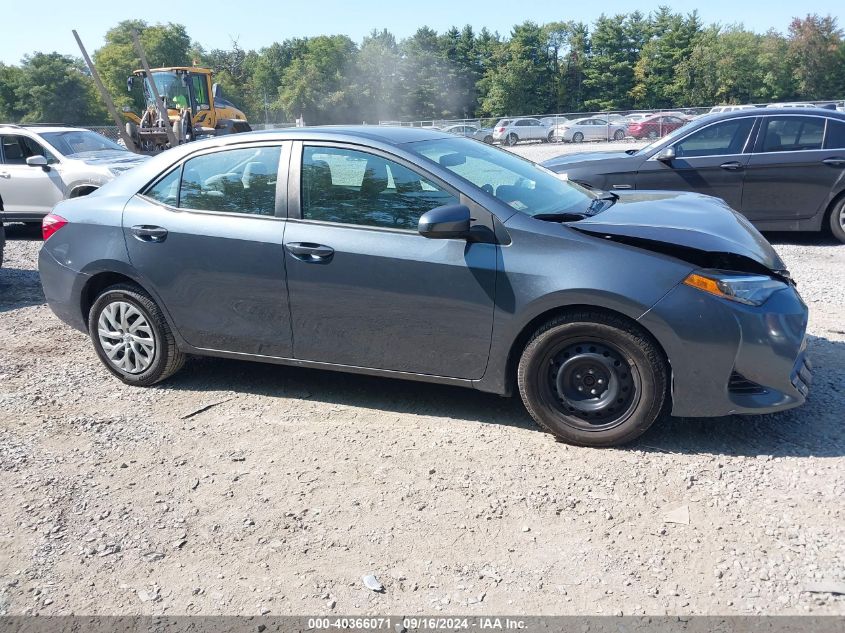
{"type": "Point", "coordinates": [118, 120]}
{"type": "Point", "coordinates": [162, 107]}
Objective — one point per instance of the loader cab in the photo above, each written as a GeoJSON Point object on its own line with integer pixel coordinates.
{"type": "Point", "coordinates": [180, 88]}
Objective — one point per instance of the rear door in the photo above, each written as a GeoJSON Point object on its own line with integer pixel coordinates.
{"type": "Point", "coordinates": [710, 160]}
{"type": "Point", "coordinates": [207, 238]}
{"type": "Point", "coordinates": [792, 171]}
{"type": "Point", "coordinates": [28, 192]}
{"type": "Point", "coordinates": [366, 289]}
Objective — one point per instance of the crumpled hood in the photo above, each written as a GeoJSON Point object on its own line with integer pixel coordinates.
{"type": "Point", "coordinates": [687, 220]}
{"type": "Point", "coordinates": [582, 157]}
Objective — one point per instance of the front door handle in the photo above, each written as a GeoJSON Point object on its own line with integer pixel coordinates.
{"type": "Point", "coordinates": [147, 233]}
{"type": "Point", "coordinates": [732, 165]}
{"type": "Point", "coordinates": [834, 162]}
{"type": "Point", "coordinates": [5, 174]}
{"type": "Point", "coordinates": [310, 252]}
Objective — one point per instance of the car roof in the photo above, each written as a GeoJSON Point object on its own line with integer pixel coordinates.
{"type": "Point", "coordinates": [388, 134]}
{"type": "Point", "coordinates": [41, 128]}
{"type": "Point", "coordinates": [775, 111]}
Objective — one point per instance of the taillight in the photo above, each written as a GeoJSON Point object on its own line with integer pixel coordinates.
{"type": "Point", "coordinates": [50, 224]}
{"type": "Point", "coordinates": [500, 130]}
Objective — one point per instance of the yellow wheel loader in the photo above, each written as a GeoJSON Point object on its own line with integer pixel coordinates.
{"type": "Point", "coordinates": [195, 108]}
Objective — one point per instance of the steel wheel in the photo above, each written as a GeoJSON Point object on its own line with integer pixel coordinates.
{"type": "Point", "coordinates": [592, 383]}
{"type": "Point", "coordinates": [126, 337]}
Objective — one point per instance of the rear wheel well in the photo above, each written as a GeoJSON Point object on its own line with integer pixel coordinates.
{"type": "Point", "coordinates": [82, 190]}
{"type": "Point", "coordinates": [519, 344]}
{"type": "Point", "coordinates": [97, 284]}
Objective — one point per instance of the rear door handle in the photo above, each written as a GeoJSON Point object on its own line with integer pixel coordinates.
{"type": "Point", "coordinates": [834, 162]}
{"type": "Point", "coordinates": [308, 251]}
{"type": "Point", "coordinates": [732, 165]}
{"type": "Point", "coordinates": [147, 233]}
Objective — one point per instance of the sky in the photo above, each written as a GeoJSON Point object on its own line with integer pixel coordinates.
{"type": "Point", "coordinates": [46, 25]}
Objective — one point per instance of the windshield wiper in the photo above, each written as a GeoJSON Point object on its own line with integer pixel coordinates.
{"type": "Point", "coordinates": [606, 200]}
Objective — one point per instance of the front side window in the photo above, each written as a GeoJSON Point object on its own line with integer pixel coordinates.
{"type": "Point", "coordinates": [523, 185]}
{"type": "Point", "coordinates": [17, 148]}
{"type": "Point", "coordinates": [792, 133]}
{"type": "Point", "coordinates": [231, 181]}
{"type": "Point", "coordinates": [352, 187]}
{"type": "Point", "coordinates": [727, 137]}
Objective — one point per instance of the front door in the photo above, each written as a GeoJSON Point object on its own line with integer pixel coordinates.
{"type": "Point", "coordinates": [208, 239]}
{"type": "Point", "coordinates": [28, 192]}
{"type": "Point", "coordinates": [711, 160]}
{"type": "Point", "coordinates": [366, 289]}
{"type": "Point", "coordinates": [792, 172]}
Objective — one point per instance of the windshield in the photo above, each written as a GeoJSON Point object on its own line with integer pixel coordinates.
{"type": "Point", "coordinates": [172, 88]}
{"type": "Point", "coordinates": [525, 186]}
{"type": "Point", "coordinates": [78, 141]}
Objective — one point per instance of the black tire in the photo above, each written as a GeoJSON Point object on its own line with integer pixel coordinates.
{"type": "Point", "coordinates": [511, 139]}
{"type": "Point", "coordinates": [167, 358]}
{"type": "Point", "coordinates": [635, 391]}
{"type": "Point", "coordinates": [618, 135]}
{"type": "Point", "coordinates": [837, 220]}
{"type": "Point", "coordinates": [488, 139]}
{"type": "Point", "coordinates": [551, 137]}
{"type": "Point", "coordinates": [2, 243]}
{"type": "Point", "coordinates": [578, 137]}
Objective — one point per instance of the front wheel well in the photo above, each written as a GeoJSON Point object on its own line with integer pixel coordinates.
{"type": "Point", "coordinates": [97, 284]}
{"type": "Point", "coordinates": [830, 207]}
{"type": "Point", "coordinates": [521, 341]}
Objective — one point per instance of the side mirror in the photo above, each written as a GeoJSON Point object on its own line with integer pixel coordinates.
{"type": "Point", "coordinates": [667, 154]}
{"type": "Point", "coordinates": [36, 161]}
{"type": "Point", "coordinates": [216, 91]}
{"type": "Point", "coordinates": [447, 222]}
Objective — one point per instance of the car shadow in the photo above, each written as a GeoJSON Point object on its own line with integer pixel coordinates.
{"type": "Point", "coordinates": [816, 429]}
{"type": "Point", "coordinates": [19, 288]}
{"type": "Point", "coordinates": [29, 232]}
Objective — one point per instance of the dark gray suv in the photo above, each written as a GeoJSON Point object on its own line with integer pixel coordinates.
{"type": "Point", "coordinates": [415, 254]}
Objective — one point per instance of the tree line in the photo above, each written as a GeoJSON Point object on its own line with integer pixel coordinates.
{"type": "Point", "coordinates": [619, 62]}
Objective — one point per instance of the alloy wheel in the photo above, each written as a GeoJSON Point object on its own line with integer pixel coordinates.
{"type": "Point", "coordinates": [126, 337]}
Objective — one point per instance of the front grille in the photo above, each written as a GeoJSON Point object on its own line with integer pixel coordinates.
{"type": "Point", "coordinates": [740, 384]}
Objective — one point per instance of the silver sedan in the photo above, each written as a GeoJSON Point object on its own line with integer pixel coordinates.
{"type": "Point", "coordinates": [589, 129]}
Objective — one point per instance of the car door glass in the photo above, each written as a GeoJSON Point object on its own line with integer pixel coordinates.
{"type": "Point", "coordinates": [523, 123]}
{"type": "Point", "coordinates": [792, 134]}
{"type": "Point", "coordinates": [31, 147]}
{"type": "Point", "coordinates": [233, 181]}
{"type": "Point", "coordinates": [835, 136]}
{"type": "Point", "coordinates": [727, 137]}
{"type": "Point", "coordinates": [352, 187]}
{"type": "Point", "coordinates": [13, 151]}
{"type": "Point", "coordinates": [166, 190]}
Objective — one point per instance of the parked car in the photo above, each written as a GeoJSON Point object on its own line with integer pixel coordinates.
{"type": "Point", "coordinates": [656, 126]}
{"type": "Point", "coordinates": [512, 131]}
{"type": "Point", "coordinates": [730, 108]}
{"type": "Point", "coordinates": [417, 254]}
{"type": "Point", "coordinates": [589, 129]}
{"type": "Point", "coordinates": [41, 165]}
{"type": "Point", "coordinates": [791, 105]}
{"type": "Point", "coordinates": [481, 133]}
{"type": "Point", "coordinates": [783, 169]}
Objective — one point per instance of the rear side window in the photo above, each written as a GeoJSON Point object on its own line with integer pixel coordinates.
{"type": "Point", "coordinates": [835, 137]}
{"type": "Point", "coordinates": [231, 181]}
{"type": "Point", "coordinates": [792, 134]}
{"type": "Point", "coordinates": [727, 137]}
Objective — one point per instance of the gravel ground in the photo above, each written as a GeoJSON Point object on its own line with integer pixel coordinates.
{"type": "Point", "coordinates": [243, 488]}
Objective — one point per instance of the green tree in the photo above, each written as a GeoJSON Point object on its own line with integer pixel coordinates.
{"type": "Point", "coordinates": [378, 77]}
{"type": "Point", "coordinates": [814, 45]}
{"type": "Point", "coordinates": [54, 88]}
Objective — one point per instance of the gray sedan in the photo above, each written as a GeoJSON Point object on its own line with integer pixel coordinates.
{"type": "Point", "coordinates": [479, 133]}
{"type": "Point", "coordinates": [415, 254]}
